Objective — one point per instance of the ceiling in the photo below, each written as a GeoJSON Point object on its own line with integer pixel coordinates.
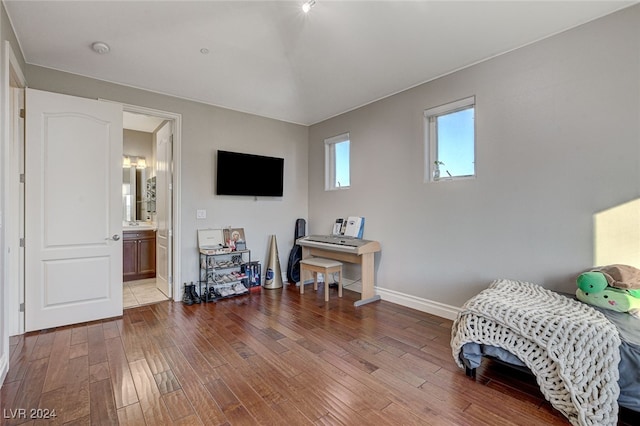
{"type": "Point", "coordinates": [271, 59]}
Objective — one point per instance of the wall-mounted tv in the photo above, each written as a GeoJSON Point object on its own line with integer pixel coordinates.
{"type": "Point", "coordinates": [248, 174]}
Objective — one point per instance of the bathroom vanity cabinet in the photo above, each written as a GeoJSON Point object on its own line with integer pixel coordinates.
{"type": "Point", "coordinates": [138, 255]}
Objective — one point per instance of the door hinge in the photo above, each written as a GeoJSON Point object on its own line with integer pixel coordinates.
{"type": "Point", "coordinates": [22, 307]}
{"type": "Point", "coordinates": [170, 279]}
{"type": "Point", "coordinates": [22, 113]}
{"type": "Point", "coordinates": [21, 242]}
{"type": "Point", "coordinates": [21, 177]}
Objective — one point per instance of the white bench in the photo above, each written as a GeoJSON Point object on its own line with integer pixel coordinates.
{"type": "Point", "coordinates": [324, 266]}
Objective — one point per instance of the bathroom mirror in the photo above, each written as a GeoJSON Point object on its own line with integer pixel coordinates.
{"type": "Point", "coordinates": [134, 189]}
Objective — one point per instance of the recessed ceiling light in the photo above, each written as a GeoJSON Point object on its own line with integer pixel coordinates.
{"type": "Point", "coordinates": [100, 47]}
{"type": "Point", "coordinates": [204, 51]}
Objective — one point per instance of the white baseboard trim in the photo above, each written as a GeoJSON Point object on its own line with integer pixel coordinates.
{"type": "Point", "coordinates": [420, 304]}
{"type": "Point", "coordinates": [424, 305]}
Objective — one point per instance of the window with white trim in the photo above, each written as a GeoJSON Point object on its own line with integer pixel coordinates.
{"type": "Point", "coordinates": [450, 141]}
{"type": "Point", "coordinates": [337, 169]}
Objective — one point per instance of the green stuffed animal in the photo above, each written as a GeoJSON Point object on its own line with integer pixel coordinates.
{"type": "Point", "coordinates": [614, 287]}
{"type": "Point", "coordinates": [612, 298]}
{"type": "Point", "coordinates": [595, 282]}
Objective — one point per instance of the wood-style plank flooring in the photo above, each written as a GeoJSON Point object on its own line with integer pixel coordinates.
{"type": "Point", "coordinates": [272, 358]}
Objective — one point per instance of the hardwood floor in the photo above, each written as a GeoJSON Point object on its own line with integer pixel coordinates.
{"type": "Point", "coordinates": [270, 358]}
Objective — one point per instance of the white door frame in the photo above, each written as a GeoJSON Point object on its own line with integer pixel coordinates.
{"type": "Point", "coordinates": [175, 184]}
{"type": "Point", "coordinates": [13, 292]}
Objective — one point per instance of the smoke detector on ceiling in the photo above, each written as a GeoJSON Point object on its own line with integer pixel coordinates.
{"type": "Point", "coordinates": [100, 47]}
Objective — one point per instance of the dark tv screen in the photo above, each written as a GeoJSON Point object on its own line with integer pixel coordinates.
{"type": "Point", "coordinates": [249, 174]}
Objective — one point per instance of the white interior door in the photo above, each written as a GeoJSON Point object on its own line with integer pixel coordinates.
{"type": "Point", "coordinates": [163, 208]}
{"type": "Point", "coordinates": [73, 251]}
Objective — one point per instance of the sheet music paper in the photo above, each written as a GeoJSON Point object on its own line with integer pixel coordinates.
{"type": "Point", "coordinates": [355, 226]}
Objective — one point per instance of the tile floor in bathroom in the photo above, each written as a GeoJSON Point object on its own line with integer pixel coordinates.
{"type": "Point", "coordinates": [141, 292]}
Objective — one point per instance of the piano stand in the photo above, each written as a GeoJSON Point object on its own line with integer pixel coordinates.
{"type": "Point", "coordinates": [362, 255]}
{"type": "Point", "coordinates": [359, 302]}
{"type": "Point", "coordinates": [365, 301]}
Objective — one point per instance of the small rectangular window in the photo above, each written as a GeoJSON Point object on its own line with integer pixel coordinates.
{"type": "Point", "coordinates": [337, 162]}
{"type": "Point", "coordinates": [450, 141]}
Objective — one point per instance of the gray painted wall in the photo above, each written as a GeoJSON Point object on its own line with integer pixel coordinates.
{"type": "Point", "coordinates": [205, 129]}
{"type": "Point", "coordinates": [138, 144]}
{"type": "Point", "coordinates": [558, 131]}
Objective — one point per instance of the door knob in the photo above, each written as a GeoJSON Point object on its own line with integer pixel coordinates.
{"type": "Point", "coordinates": [115, 237]}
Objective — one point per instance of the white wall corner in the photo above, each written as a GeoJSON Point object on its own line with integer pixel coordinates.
{"type": "Point", "coordinates": [424, 305]}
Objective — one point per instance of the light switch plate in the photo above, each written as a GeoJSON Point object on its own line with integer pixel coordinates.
{"type": "Point", "coordinates": [201, 214]}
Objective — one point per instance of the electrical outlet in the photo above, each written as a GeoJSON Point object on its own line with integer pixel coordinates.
{"type": "Point", "coordinates": [201, 214]}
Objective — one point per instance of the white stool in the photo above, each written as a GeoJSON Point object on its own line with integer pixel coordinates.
{"type": "Point", "coordinates": [324, 266]}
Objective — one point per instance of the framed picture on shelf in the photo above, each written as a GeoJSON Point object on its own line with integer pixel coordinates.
{"type": "Point", "coordinates": [233, 236]}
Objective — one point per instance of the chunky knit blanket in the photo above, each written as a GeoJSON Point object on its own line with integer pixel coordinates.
{"type": "Point", "coordinates": [571, 348]}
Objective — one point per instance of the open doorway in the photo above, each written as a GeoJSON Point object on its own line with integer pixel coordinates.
{"type": "Point", "coordinates": [147, 207]}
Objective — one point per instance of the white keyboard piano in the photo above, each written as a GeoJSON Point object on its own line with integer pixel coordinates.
{"type": "Point", "coordinates": [340, 243]}
{"type": "Point", "coordinates": [346, 249]}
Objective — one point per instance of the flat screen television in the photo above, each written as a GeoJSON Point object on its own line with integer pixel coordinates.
{"type": "Point", "coordinates": [248, 174]}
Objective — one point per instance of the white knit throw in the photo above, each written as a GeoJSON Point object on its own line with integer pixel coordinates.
{"type": "Point", "coordinates": [572, 349]}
